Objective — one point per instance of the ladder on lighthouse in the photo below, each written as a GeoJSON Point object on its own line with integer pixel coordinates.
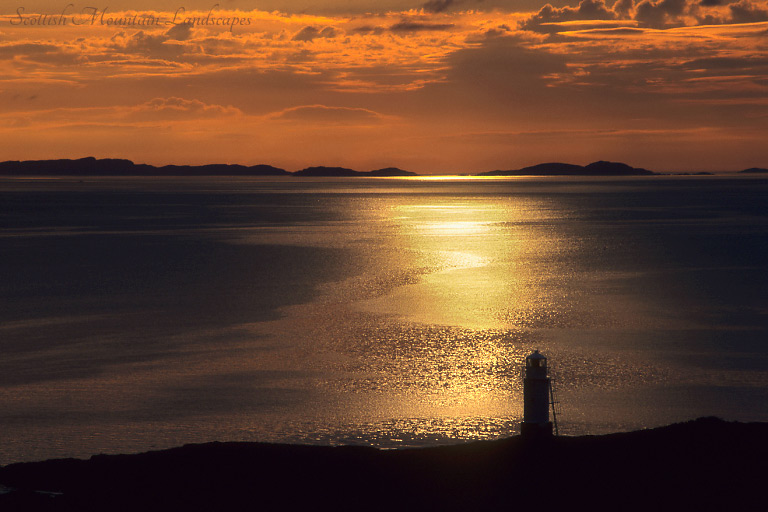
{"type": "Point", "coordinates": [553, 403]}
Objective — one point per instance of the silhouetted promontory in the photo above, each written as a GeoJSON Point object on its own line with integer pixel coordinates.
{"type": "Point", "coordinates": [754, 170]}
{"type": "Point", "coordinates": [390, 172]}
{"type": "Point", "coordinates": [91, 166]}
{"type": "Point", "coordinates": [321, 171]}
{"type": "Point", "coordinates": [706, 464]}
{"type": "Point", "coordinates": [120, 167]}
{"type": "Point", "coordinates": [600, 168]}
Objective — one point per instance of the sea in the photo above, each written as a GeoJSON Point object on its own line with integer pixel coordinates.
{"type": "Point", "coordinates": [142, 313]}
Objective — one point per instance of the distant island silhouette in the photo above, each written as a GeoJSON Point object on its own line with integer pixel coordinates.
{"type": "Point", "coordinates": [706, 464]}
{"type": "Point", "coordinates": [90, 166]}
{"type": "Point", "coordinates": [599, 168]}
{"type": "Point", "coordinates": [344, 172]}
{"type": "Point", "coordinates": [391, 172]}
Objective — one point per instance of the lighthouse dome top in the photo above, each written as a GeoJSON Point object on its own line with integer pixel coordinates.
{"type": "Point", "coordinates": [536, 360]}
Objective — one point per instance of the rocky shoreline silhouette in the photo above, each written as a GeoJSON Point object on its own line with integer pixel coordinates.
{"type": "Point", "coordinates": [705, 464]}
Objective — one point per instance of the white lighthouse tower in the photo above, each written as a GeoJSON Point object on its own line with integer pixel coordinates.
{"type": "Point", "coordinates": [536, 397]}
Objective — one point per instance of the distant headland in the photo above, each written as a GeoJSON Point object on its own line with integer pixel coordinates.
{"type": "Point", "coordinates": [344, 172]}
{"type": "Point", "coordinates": [91, 166]}
{"type": "Point", "coordinates": [600, 168]}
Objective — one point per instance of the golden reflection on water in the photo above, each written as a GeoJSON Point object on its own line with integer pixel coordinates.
{"type": "Point", "coordinates": [452, 351]}
{"type": "Point", "coordinates": [479, 253]}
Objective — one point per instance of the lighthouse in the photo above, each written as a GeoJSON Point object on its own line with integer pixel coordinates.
{"type": "Point", "coordinates": [536, 397]}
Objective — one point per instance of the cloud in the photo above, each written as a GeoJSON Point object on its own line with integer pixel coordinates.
{"type": "Point", "coordinates": [152, 112]}
{"type": "Point", "coordinates": [144, 43]}
{"type": "Point", "coordinates": [16, 49]}
{"type": "Point", "coordinates": [415, 26]}
{"type": "Point", "coordinates": [369, 29]}
{"type": "Point", "coordinates": [437, 5]}
{"type": "Point", "coordinates": [500, 77]}
{"type": "Point", "coordinates": [624, 8]}
{"type": "Point", "coordinates": [404, 26]}
{"type": "Point", "coordinates": [180, 32]}
{"type": "Point", "coordinates": [279, 43]}
{"type": "Point", "coordinates": [660, 13]}
{"type": "Point", "coordinates": [38, 52]}
{"type": "Point", "coordinates": [180, 108]}
{"type": "Point", "coordinates": [728, 64]}
{"type": "Point", "coordinates": [326, 114]}
{"type": "Point", "coordinates": [309, 33]}
{"type": "Point", "coordinates": [587, 10]}
{"type": "Point", "coordinates": [745, 11]}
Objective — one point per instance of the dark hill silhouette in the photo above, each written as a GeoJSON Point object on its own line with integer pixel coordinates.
{"type": "Point", "coordinates": [327, 171]}
{"type": "Point", "coordinates": [707, 464]}
{"type": "Point", "coordinates": [552, 168]}
{"type": "Point", "coordinates": [344, 172]}
{"type": "Point", "coordinates": [91, 166]}
{"type": "Point", "coordinates": [600, 168]}
{"type": "Point", "coordinates": [614, 168]}
{"type": "Point", "coordinates": [120, 167]}
{"type": "Point", "coordinates": [222, 170]}
{"type": "Point", "coordinates": [390, 172]}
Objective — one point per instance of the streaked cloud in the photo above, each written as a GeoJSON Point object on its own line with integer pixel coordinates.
{"type": "Point", "coordinates": [415, 26]}
{"type": "Point", "coordinates": [170, 109]}
{"type": "Point", "coordinates": [326, 114]}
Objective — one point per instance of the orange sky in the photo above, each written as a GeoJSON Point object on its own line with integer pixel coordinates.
{"type": "Point", "coordinates": [441, 87]}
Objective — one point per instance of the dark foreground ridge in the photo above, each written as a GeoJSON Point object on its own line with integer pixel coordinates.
{"type": "Point", "coordinates": [706, 464]}
{"type": "Point", "coordinates": [600, 168]}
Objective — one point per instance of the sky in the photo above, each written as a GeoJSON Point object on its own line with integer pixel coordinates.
{"type": "Point", "coordinates": [442, 86]}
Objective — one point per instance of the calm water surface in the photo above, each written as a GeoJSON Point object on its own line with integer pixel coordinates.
{"type": "Point", "coordinates": [145, 313]}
